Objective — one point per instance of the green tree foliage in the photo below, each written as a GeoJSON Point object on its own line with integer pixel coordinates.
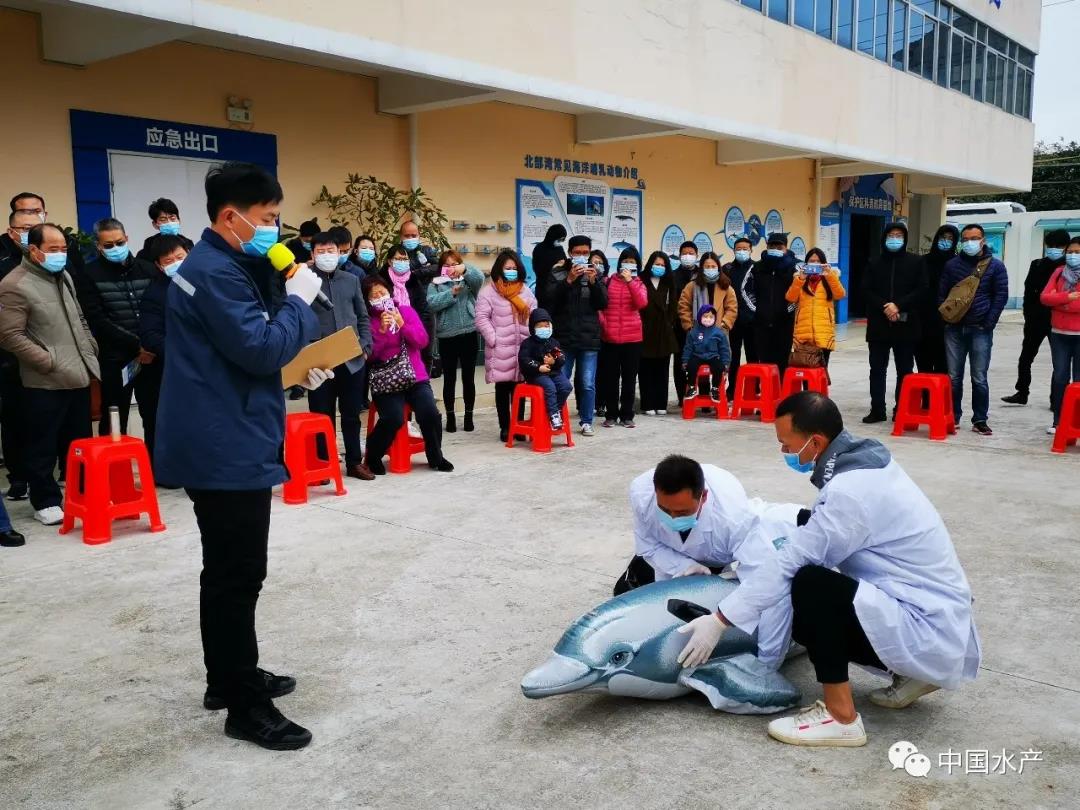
{"type": "Point", "coordinates": [1055, 181]}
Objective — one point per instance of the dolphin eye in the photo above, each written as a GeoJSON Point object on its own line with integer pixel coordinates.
{"type": "Point", "coordinates": [621, 658]}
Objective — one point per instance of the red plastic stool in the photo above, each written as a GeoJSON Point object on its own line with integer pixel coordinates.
{"type": "Point", "coordinates": [757, 388]}
{"type": "Point", "coordinates": [910, 413]}
{"type": "Point", "coordinates": [101, 487]}
{"type": "Point", "coordinates": [536, 425]}
{"type": "Point", "coordinates": [703, 400]}
{"type": "Point", "coordinates": [804, 379]}
{"type": "Point", "coordinates": [404, 446]}
{"type": "Point", "coordinates": [302, 456]}
{"type": "Point", "coordinates": [1068, 429]}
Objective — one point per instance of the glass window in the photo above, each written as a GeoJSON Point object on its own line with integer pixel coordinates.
{"type": "Point", "coordinates": [881, 30]}
{"type": "Point", "coordinates": [924, 5]}
{"type": "Point", "coordinates": [844, 22]}
{"type": "Point", "coordinates": [962, 22]}
{"type": "Point", "coordinates": [1010, 96]}
{"type": "Point", "coordinates": [915, 45]}
{"type": "Point", "coordinates": [981, 29]}
{"type": "Point", "coordinates": [945, 12]}
{"type": "Point", "coordinates": [999, 81]}
{"type": "Point", "coordinates": [1025, 57]}
{"type": "Point", "coordinates": [999, 42]}
{"type": "Point", "coordinates": [980, 72]}
{"type": "Point", "coordinates": [956, 69]}
{"type": "Point", "coordinates": [899, 41]}
{"type": "Point", "coordinates": [865, 30]}
{"type": "Point", "coordinates": [823, 12]}
{"type": "Point", "coordinates": [1029, 81]}
{"type": "Point", "coordinates": [778, 10]}
{"type": "Point", "coordinates": [754, 4]}
{"type": "Point", "coordinates": [928, 48]}
{"type": "Point", "coordinates": [804, 14]}
{"type": "Point", "coordinates": [969, 65]}
{"type": "Point", "coordinates": [943, 57]}
{"type": "Point", "coordinates": [991, 77]}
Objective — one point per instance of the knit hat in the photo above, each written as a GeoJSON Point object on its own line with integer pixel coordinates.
{"type": "Point", "coordinates": [705, 308]}
{"type": "Point", "coordinates": [536, 317]}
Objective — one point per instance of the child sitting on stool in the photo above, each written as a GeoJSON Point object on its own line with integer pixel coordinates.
{"type": "Point", "coordinates": [541, 362]}
{"type": "Point", "coordinates": [706, 345]}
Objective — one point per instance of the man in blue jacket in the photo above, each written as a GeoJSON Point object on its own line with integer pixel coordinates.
{"type": "Point", "coordinates": [973, 336]}
{"type": "Point", "coordinates": [221, 425]}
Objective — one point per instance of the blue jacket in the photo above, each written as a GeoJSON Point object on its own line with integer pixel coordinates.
{"type": "Point", "coordinates": [221, 421]}
{"type": "Point", "coordinates": [991, 295]}
{"type": "Point", "coordinates": [706, 344]}
{"type": "Point", "coordinates": [152, 316]}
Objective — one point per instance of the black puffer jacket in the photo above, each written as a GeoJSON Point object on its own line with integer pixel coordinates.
{"type": "Point", "coordinates": [111, 301]}
{"type": "Point", "coordinates": [899, 278]}
{"type": "Point", "coordinates": [737, 272]}
{"type": "Point", "coordinates": [575, 310]}
{"type": "Point", "coordinates": [765, 289]}
{"type": "Point", "coordinates": [933, 262]}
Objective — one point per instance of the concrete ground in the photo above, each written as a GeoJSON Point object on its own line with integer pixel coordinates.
{"type": "Point", "coordinates": [410, 608]}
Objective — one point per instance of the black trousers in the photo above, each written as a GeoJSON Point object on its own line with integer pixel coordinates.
{"type": "Point", "coordinates": [824, 621]}
{"type": "Point", "coordinates": [653, 379]}
{"type": "Point", "coordinates": [50, 417]}
{"type": "Point", "coordinates": [114, 392]}
{"type": "Point", "coordinates": [930, 355]}
{"type": "Point", "coordinates": [716, 370]}
{"type": "Point", "coordinates": [428, 319]}
{"type": "Point", "coordinates": [678, 373]}
{"type": "Point", "coordinates": [741, 337]}
{"type": "Point", "coordinates": [1035, 332]}
{"type": "Point", "coordinates": [391, 408]}
{"type": "Point", "coordinates": [340, 393]}
{"type": "Point", "coordinates": [621, 370]}
{"type": "Point", "coordinates": [459, 351]}
{"type": "Point", "coordinates": [235, 528]}
{"type": "Point", "coordinates": [149, 395]}
{"type": "Point", "coordinates": [903, 353]}
{"type": "Point", "coordinates": [773, 343]}
{"type": "Point", "coordinates": [12, 423]}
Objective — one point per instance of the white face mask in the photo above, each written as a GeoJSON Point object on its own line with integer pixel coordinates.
{"type": "Point", "coordinates": [327, 262]}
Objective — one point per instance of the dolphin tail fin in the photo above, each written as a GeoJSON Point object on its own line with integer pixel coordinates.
{"type": "Point", "coordinates": [741, 684]}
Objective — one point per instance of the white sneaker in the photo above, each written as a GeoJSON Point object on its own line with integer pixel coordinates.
{"type": "Point", "coordinates": [50, 515]}
{"type": "Point", "coordinates": [586, 430]}
{"type": "Point", "coordinates": [662, 412]}
{"type": "Point", "coordinates": [649, 413]}
{"type": "Point", "coordinates": [815, 726]}
{"type": "Point", "coordinates": [1052, 430]}
{"type": "Point", "coordinates": [414, 430]}
{"type": "Point", "coordinates": [902, 693]}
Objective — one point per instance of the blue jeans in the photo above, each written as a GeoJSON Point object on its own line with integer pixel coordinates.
{"type": "Point", "coordinates": [975, 342]}
{"type": "Point", "coordinates": [1065, 354]}
{"type": "Point", "coordinates": [584, 383]}
{"type": "Point", "coordinates": [556, 390]}
{"type": "Point", "coordinates": [5, 521]}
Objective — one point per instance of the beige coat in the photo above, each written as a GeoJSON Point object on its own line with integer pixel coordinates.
{"type": "Point", "coordinates": [727, 306]}
{"type": "Point", "coordinates": [42, 324]}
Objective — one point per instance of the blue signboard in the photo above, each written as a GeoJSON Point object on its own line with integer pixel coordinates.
{"type": "Point", "coordinates": [774, 223]}
{"type": "Point", "coordinates": [703, 242]}
{"type": "Point", "coordinates": [734, 225]}
{"type": "Point", "coordinates": [798, 247]}
{"type": "Point", "coordinates": [672, 238]}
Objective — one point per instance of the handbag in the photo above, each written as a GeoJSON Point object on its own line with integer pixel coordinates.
{"type": "Point", "coordinates": [805, 355]}
{"type": "Point", "coordinates": [394, 375]}
{"type": "Point", "coordinates": [962, 295]}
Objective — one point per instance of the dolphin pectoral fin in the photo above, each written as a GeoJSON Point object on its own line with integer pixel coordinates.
{"type": "Point", "coordinates": [741, 684]}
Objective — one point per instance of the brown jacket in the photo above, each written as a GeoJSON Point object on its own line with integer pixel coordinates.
{"type": "Point", "coordinates": [42, 324]}
{"type": "Point", "coordinates": [693, 296]}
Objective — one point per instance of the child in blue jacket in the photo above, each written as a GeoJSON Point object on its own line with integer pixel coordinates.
{"type": "Point", "coordinates": [706, 345]}
{"type": "Point", "coordinates": [541, 361]}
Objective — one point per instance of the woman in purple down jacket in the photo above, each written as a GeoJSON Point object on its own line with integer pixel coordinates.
{"type": "Point", "coordinates": [394, 329]}
{"type": "Point", "coordinates": [502, 319]}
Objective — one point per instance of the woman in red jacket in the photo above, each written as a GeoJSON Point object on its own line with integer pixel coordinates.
{"type": "Point", "coordinates": [620, 334]}
{"type": "Point", "coordinates": [1062, 296]}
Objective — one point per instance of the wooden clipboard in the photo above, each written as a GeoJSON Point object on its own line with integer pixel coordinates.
{"type": "Point", "coordinates": [329, 352]}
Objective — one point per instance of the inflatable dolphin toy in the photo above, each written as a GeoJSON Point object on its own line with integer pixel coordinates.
{"type": "Point", "coordinates": [628, 646]}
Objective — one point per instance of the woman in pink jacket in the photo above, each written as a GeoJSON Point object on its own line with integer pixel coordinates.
{"type": "Point", "coordinates": [620, 334]}
{"type": "Point", "coordinates": [502, 319]}
{"type": "Point", "coordinates": [1062, 295]}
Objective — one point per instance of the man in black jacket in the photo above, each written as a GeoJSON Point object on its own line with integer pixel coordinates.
{"type": "Point", "coordinates": [576, 296]}
{"type": "Point", "coordinates": [1037, 316]}
{"type": "Point", "coordinates": [894, 286]}
{"type": "Point", "coordinates": [742, 334]}
{"type": "Point", "coordinates": [930, 352]}
{"type": "Point", "coordinates": [116, 282]}
{"type": "Point", "coordinates": [165, 217]}
{"type": "Point", "coordinates": [764, 291]}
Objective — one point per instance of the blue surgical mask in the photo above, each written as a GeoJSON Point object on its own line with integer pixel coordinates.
{"type": "Point", "coordinates": [366, 254]}
{"type": "Point", "coordinates": [742, 255]}
{"type": "Point", "coordinates": [1055, 253]}
{"type": "Point", "coordinates": [658, 270]}
{"type": "Point", "coordinates": [688, 260]}
{"type": "Point", "coordinates": [264, 238]}
{"type": "Point", "coordinates": [24, 238]}
{"type": "Point", "coordinates": [341, 259]}
{"type": "Point", "coordinates": [171, 269]}
{"type": "Point", "coordinates": [1072, 260]}
{"type": "Point", "coordinates": [55, 262]}
{"type": "Point", "coordinates": [579, 261]}
{"type": "Point", "coordinates": [118, 253]}
{"type": "Point", "coordinates": [630, 266]}
{"type": "Point", "coordinates": [894, 243]}
{"type": "Point", "coordinates": [169, 228]}
{"type": "Point", "coordinates": [792, 460]}
{"type": "Point", "coordinates": [412, 243]}
{"type": "Point", "coordinates": [972, 247]}
{"type": "Point", "coordinates": [775, 252]}
{"type": "Point", "coordinates": [510, 275]}
{"type": "Point", "coordinates": [711, 273]}
{"type": "Point", "coordinates": [543, 332]}
{"type": "Point", "coordinates": [677, 524]}
{"type": "Point", "coordinates": [945, 245]}
{"type": "Point", "coordinates": [400, 266]}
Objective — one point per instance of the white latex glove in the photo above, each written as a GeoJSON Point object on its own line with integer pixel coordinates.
{"type": "Point", "coordinates": [706, 634]}
{"type": "Point", "coordinates": [694, 568]}
{"type": "Point", "coordinates": [304, 284]}
{"type": "Point", "coordinates": [316, 377]}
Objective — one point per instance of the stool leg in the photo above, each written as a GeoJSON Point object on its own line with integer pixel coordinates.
{"type": "Point", "coordinates": [73, 496]}
{"type": "Point", "coordinates": [149, 491]}
{"type": "Point", "coordinates": [566, 428]}
{"type": "Point", "coordinates": [97, 526]}
{"type": "Point", "coordinates": [400, 454]}
{"type": "Point", "coordinates": [541, 426]}
{"type": "Point", "coordinates": [294, 490]}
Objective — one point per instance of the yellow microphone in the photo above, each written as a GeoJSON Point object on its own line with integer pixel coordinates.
{"type": "Point", "coordinates": [284, 261]}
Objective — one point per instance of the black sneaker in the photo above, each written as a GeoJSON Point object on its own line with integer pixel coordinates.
{"type": "Point", "coordinates": [11, 539]}
{"type": "Point", "coordinates": [1016, 399]}
{"type": "Point", "coordinates": [981, 428]}
{"type": "Point", "coordinates": [276, 686]}
{"type": "Point", "coordinates": [716, 395]}
{"type": "Point", "coordinates": [265, 726]}
{"type": "Point", "coordinates": [874, 417]}
{"type": "Point", "coordinates": [691, 392]}
{"type": "Point", "coordinates": [17, 492]}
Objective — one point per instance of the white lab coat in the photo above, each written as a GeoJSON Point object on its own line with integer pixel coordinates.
{"type": "Point", "coordinates": [731, 528]}
{"type": "Point", "coordinates": [913, 600]}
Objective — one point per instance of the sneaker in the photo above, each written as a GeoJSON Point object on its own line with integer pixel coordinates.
{"type": "Point", "coordinates": [586, 430]}
{"type": "Point", "coordinates": [661, 411]}
{"type": "Point", "coordinates": [815, 726]}
{"type": "Point", "coordinates": [649, 413]}
{"type": "Point", "coordinates": [982, 429]}
{"type": "Point", "coordinates": [11, 539]}
{"type": "Point", "coordinates": [903, 692]}
{"type": "Point", "coordinates": [414, 431]}
{"type": "Point", "coordinates": [17, 492]}
{"type": "Point", "coordinates": [50, 515]}
{"type": "Point", "coordinates": [556, 422]}
{"type": "Point", "coordinates": [691, 392]}
{"type": "Point", "coordinates": [608, 423]}
{"type": "Point", "coordinates": [265, 726]}
{"type": "Point", "coordinates": [874, 417]}
{"type": "Point", "coordinates": [276, 686]}
{"type": "Point", "coordinates": [715, 395]}
{"type": "Point", "coordinates": [1052, 430]}
{"type": "Point", "coordinates": [629, 423]}
{"type": "Point", "coordinates": [1015, 399]}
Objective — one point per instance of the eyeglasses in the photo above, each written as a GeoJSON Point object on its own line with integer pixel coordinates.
{"type": "Point", "coordinates": [114, 243]}
{"type": "Point", "coordinates": [35, 211]}
{"type": "Point", "coordinates": [21, 228]}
